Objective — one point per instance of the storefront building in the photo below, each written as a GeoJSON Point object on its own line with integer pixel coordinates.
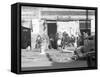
{"type": "Point", "coordinates": [46, 21]}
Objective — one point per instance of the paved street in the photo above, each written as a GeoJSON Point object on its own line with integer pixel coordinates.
{"type": "Point", "coordinates": [34, 60]}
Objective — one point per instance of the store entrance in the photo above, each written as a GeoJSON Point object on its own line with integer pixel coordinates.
{"type": "Point", "coordinates": [52, 29]}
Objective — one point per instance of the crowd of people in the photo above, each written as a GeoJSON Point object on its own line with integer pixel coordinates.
{"type": "Point", "coordinates": [61, 40]}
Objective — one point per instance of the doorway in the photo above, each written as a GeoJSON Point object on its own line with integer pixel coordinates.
{"type": "Point", "coordinates": [52, 28]}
